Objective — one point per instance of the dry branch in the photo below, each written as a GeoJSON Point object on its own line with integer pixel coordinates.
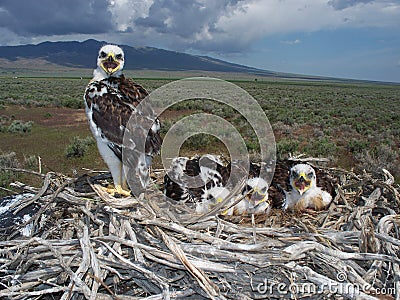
{"type": "Point", "coordinates": [89, 245]}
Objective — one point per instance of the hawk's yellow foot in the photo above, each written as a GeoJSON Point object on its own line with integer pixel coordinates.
{"type": "Point", "coordinates": [110, 102]}
{"type": "Point", "coordinates": [117, 190]}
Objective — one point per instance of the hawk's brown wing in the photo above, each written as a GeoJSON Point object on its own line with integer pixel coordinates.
{"type": "Point", "coordinates": [112, 102]}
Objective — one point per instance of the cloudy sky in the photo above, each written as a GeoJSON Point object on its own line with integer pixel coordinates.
{"type": "Point", "coordinates": [342, 38]}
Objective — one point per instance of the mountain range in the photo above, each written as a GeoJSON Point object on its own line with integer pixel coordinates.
{"type": "Point", "coordinates": [83, 55]}
{"type": "Point", "coordinates": [72, 58]}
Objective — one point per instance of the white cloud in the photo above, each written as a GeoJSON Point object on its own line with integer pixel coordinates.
{"type": "Point", "coordinates": [270, 17]}
{"type": "Point", "coordinates": [232, 26]}
{"type": "Point", "coordinates": [225, 26]}
{"type": "Point", "coordinates": [293, 42]}
{"type": "Point", "coordinates": [125, 12]}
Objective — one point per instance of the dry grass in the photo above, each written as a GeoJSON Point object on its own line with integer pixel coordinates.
{"type": "Point", "coordinates": [342, 121]}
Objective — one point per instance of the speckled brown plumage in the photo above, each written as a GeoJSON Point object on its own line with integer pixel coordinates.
{"type": "Point", "coordinates": [177, 191]}
{"type": "Point", "coordinates": [113, 101]}
{"type": "Point", "coordinates": [279, 184]}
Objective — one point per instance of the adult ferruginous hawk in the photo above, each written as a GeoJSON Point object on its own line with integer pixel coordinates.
{"type": "Point", "coordinates": [110, 101]}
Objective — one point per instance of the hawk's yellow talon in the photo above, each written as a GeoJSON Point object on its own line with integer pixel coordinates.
{"type": "Point", "coordinates": [118, 190]}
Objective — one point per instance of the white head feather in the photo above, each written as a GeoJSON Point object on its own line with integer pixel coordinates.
{"type": "Point", "coordinates": [305, 193]}
{"type": "Point", "coordinates": [212, 197]}
{"type": "Point", "coordinates": [303, 178]}
{"type": "Point", "coordinates": [110, 62]}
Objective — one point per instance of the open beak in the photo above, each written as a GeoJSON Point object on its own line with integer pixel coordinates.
{"type": "Point", "coordinates": [258, 198]}
{"type": "Point", "coordinates": [302, 184]}
{"type": "Point", "coordinates": [109, 64]}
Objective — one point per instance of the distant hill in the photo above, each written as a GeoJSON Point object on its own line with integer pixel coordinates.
{"type": "Point", "coordinates": [79, 59]}
{"type": "Point", "coordinates": [83, 55]}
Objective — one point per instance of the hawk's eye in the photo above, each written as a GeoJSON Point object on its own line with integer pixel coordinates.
{"type": "Point", "coordinates": [103, 54]}
{"type": "Point", "coordinates": [118, 56]}
{"type": "Point", "coordinates": [294, 174]}
{"type": "Point", "coordinates": [310, 175]}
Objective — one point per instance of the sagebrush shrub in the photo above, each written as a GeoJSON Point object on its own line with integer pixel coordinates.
{"type": "Point", "coordinates": [31, 162]}
{"type": "Point", "coordinates": [7, 160]}
{"type": "Point", "coordinates": [18, 126]}
{"type": "Point", "coordinates": [78, 146]}
{"type": "Point", "coordinates": [381, 156]}
{"type": "Point", "coordinates": [286, 147]}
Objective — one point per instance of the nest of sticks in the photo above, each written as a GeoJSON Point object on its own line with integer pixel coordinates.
{"type": "Point", "coordinates": [86, 244]}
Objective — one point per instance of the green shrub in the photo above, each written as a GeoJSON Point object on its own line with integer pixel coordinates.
{"type": "Point", "coordinates": [166, 125]}
{"type": "Point", "coordinates": [7, 160]}
{"type": "Point", "coordinates": [357, 146]}
{"type": "Point", "coordinates": [323, 147]}
{"type": "Point", "coordinates": [200, 140]}
{"type": "Point", "coordinates": [252, 145]}
{"type": "Point", "coordinates": [381, 156]}
{"type": "Point", "coordinates": [283, 128]}
{"type": "Point", "coordinates": [78, 146]}
{"type": "Point", "coordinates": [18, 126]}
{"type": "Point", "coordinates": [73, 103]}
{"type": "Point", "coordinates": [4, 123]}
{"type": "Point", "coordinates": [286, 147]}
{"type": "Point", "coordinates": [31, 162]}
{"type": "Point", "coordinates": [4, 119]}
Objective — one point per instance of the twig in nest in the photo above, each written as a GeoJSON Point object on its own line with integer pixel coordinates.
{"type": "Point", "coordinates": [205, 283]}
{"type": "Point", "coordinates": [161, 282]}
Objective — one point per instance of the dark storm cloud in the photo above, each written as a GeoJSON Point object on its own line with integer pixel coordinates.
{"type": "Point", "coordinates": [342, 4]}
{"type": "Point", "coordinates": [193, 24]}
{"type": "Point", "coordinates": [186, 18]}
{"type": "Point", "coordinates": [55, 17]}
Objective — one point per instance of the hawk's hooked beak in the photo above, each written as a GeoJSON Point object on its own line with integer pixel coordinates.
{"type": "Point", "coordinates": [109, 64]}
{"type": "Point", "coordinates": [258, 197]}
{"type": "Point", "coordinates": [302, 183]}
